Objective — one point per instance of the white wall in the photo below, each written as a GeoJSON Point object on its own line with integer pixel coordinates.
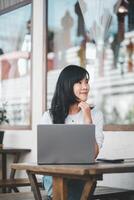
{"type": "Point", "coordinates": [116, 144]}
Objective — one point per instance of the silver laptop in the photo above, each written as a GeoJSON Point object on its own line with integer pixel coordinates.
{"type": "Point", "coordinates": [65, 144]}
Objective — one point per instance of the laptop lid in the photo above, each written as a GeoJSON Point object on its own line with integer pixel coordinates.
{"type": "Point", "coordinates": [65, 144]}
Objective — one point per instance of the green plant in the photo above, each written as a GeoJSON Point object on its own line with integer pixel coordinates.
{"type": "Point", "coordinates": [3, 114]}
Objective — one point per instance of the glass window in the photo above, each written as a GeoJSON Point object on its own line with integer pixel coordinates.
{"type": "Point", "coordinates": [98, 35]}
{"type": "Point", "coordinates": [15, 66]}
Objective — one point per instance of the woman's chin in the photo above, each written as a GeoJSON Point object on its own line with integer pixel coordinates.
{"type": "Point", "coordinates": [83, 99]}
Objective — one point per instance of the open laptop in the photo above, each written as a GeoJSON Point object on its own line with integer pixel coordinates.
{"type": "Point", "coordinates": [65, 144]}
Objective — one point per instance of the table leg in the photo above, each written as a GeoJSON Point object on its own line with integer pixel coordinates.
{"type": "Point", "coordinates": [12, 173]}
{"type": "Point", "coordinates": [34, 185]}
{"type": "Point", "coordinates": [88, 189]}
{"type": "Point", "coordinates": [15, 160]}
{"type": "Point", "coordinates": [4, 169]}
{"type": "Point", "coordinates": [59, 188]}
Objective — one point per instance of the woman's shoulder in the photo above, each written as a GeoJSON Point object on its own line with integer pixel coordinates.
{"type": "Point", "coordinates": [46, 113]}
{"type": "Point", "coordinates": [46, 118]}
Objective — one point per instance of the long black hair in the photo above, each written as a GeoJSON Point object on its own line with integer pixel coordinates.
{"type": "Point", "coordinates": [64, 95]}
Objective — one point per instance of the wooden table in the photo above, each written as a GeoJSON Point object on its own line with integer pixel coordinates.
{"type": "Point", "coordinates": [61, 173]}
{"type": "Point", "coordinates": [16, 153]}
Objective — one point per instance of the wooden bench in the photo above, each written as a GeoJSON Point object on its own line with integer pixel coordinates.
{"type": "Point", "coordinates": [101, 193]}
{"type": "Point", "coordinates": [20, 182]}
{"type": "Point", "coordinates": [16, 154]}
{"type": "Point", "coordinates": [14, 183]}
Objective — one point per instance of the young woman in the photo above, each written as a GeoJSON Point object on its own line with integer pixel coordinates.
{"type": "Point", "coordinates": [69, 106]}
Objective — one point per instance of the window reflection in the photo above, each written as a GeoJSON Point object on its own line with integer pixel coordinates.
{"type": "Point", "coordinates": [98, 35]}
{"type": "Point", "coordinates": [66, 39]}
{"type": "Point", "coordinates": [15, 64]}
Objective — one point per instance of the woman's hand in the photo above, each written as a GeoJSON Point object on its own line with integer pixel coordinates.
{"type": "Point", "coordinates": [86, 112]}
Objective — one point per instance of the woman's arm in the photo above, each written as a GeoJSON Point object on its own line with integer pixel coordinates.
{"type": "Point", "coordinates": [96, 119]}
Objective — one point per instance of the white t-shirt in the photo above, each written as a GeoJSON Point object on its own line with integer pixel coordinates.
{"type": "Point", "coordinates": [78, 118]}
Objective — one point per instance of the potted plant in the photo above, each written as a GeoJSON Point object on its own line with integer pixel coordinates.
{"type": "Point", "coordinates": [3, 120]}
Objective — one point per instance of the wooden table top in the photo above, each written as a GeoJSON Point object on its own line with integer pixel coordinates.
{"type": "Point", "coordinates": [94, 169]}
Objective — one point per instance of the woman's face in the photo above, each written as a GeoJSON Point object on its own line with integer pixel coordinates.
{"type": "Point", "coordinates": [81, 89]}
